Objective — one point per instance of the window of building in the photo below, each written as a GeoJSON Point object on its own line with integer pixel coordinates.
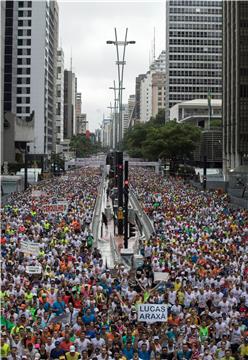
{"type": "Point", "coordinates": [19, 109]}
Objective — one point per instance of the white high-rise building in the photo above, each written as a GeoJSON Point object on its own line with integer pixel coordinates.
{"type": "Point", "coordinates": [146, 98]}
{"type": "Point", "coordinates": [152, 89]}
{"type": "Point", "coordinates": [30, 81]}
{"type": "Point", "coordinates": [193, 50]}
{"type": "Point", "coordinates": [125, 118]}
{"type": "Point", "coordinates": [131, 108]}
{"type": "Point", "coordinates": [60, 97]}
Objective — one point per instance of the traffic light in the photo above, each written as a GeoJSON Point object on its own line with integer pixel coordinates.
{"type": "Point", "coordinates": [132, 230]}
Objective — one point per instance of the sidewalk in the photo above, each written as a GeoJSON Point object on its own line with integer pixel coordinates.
{"type": "Point", "coordinates": [105, 233]}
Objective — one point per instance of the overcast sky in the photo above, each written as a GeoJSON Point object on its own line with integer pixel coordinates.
{"type": "Point", "coordinates": [84, 28]}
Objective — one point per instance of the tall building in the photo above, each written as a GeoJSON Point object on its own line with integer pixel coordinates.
{"type": "Point", "coordinates": [158, 92]}
{"type": "Point", "coordinates": [31, 37]}
{"type": "Point", "coordinates": [152, 89]}
{"type": "Point", "coordinates": [138, 80]}
{"type": "Point", "coordinates": [78, 105]}
{"type": "Point", "coordinates": [131, 109]}
{"type": "Point", "coordinates": [193, 50]}
{"type": "Point", "coordinates": [235, 84]}
{"type": "Point", "coordinates": [146, 98]}
{"type": "Point", "coordinates": [60, 98]}
{"type": "Point", "coordinates": [69, 104]}
{"type": "Point", "coordinates": [125, 118]}
{"type": "Point", "coordinates": [2, 9]}
{"type": "Point", "coordinates": [106, 132]}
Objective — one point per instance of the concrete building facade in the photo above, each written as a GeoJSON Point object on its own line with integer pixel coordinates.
{"type": "Point", "coordinates": [193, 50]}
{"type": "Point", "coordinates": [196, 111]}
{"type": "Point", "coordinates": [69, 104]}
{"type": "Point", "coordinates": [60, 97]}
{"type": "Point", "coordinates": [31, 37]}
{"type": "Point", "coordinates": [152, 89]}
{"type": "Point", "coordinates": [2, 16]}
{"type": "Point", "coordinates": [235, 84]}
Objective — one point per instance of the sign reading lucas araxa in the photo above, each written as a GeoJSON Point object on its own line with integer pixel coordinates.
{"type": "Point", "coordinates": [152, 313]}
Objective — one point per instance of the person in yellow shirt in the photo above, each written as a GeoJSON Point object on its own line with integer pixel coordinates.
{"type": "Point", "coordinates": [72, 354]}
{"type": "Point", "coordinates": [180, 296]}
{"type": "Point", "coordinates": [28, 295]}
{"type": "Point", "coordinates": [244, 349]}
{"type": "Point", "coordinates": [5, 347]}
{"type": "Point", "coordinates": [177, 285]}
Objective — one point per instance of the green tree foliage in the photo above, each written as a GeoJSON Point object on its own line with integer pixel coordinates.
{"type": "Point", "coordinates": [170, 141]}
{"type": "Point", "coordinates": [83, 146]}
{"type": "Point", "coordinates": [159, 120]}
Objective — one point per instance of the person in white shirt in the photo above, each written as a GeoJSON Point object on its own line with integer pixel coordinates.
{"type": "Point", "coordinates": [98, 341]}
{"type": "Point", "coordinates": [82, 343]}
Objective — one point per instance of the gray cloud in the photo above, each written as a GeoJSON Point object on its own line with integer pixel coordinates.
{"type": "Point", "coordinates": [84, 29]}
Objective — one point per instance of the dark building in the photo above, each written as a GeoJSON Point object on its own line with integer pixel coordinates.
{"type": "Point", "coordinates": [139, 78]}
{"type": "Point", "coordinates": [235, 84]}
{"type": "Point", "coordinates": [69, 104]}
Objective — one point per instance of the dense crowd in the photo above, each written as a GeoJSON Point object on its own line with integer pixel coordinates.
{"type": "Point", "coordinates": [202, 243]}
{"type": "Point", "coordinates": [76, 308]}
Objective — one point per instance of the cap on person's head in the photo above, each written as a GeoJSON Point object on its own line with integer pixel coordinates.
{"type": "Point", "coordinates": [57, 343]}
{"type": "Point", "coordinates": [72, 348]}
{"type": "Point", "coordinates": [156, 338]}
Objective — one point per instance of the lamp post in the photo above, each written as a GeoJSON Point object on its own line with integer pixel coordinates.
{"type": "Point", "coordinates": [120, 66]}
{"type": "Point", "coordinates": [115, 117]}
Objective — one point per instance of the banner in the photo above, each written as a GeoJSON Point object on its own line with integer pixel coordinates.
{"type": "Point", "coordinates": [160, 276]}
{"type": "Point", "coordinates": [28, 247]}
{"type": "Point", "coordinates": [37, 194]}
{"type": "Point", "coordinates": [60, 206]}
{"type": "Point", "coordinates": [152, 313]}
{"type": "Point", "coordinates": [33, 269]}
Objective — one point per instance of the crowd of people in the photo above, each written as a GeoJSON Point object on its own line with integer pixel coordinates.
{"type": "Point", "coordinates": [71, 306]}
{"type": "Point", "coordinates": [202, 243]}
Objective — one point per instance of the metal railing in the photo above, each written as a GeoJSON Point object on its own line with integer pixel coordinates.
{"type": "Point", "coordinates": [144, 219]}
{"type": "Point", "coordinates": [96, 218]}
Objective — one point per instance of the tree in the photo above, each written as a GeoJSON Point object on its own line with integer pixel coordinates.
{"type": "Point", "coordinates": [159, 119]}
{"type": "Point", "coordinates": [173, 142]}
{"type": "Point", "coordinates": [83, 146]}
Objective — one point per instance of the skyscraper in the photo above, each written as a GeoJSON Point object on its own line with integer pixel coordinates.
{"type": "Point", "coordinates": [31, 37]}
{"type": "Point", "coordinates": [60, 98]}
{"type": "Point", "coordinates": [152, 89]}
{"type": "Point", "coordinates": [193, 50]}
{"type": "Point", "coordinates": [69, 104]}
{"type": "Point", "coordinates": [2, 14]}
{"type": "Point", "coordinates": [235, 84]}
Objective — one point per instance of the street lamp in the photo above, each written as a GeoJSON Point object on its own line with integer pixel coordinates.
{"type": "Point", "coordinates": [115, 113]}
{"type": "Point", "coordinates": [120, 66]}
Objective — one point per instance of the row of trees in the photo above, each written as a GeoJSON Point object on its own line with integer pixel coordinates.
{"type": "Point", "coordinates": [171, 141]}
{"type": "Point", "coordinates": [84, 146]}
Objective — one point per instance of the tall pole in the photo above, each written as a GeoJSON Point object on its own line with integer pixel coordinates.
{"type": "Point", "coordinates": [115, 116]}
{"type": "Point", "coordinates": [120, 68]}
{"type": "Point", "coordinates": [120, 87]}
{"type": "Point", "coordinates": [126, 190]}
